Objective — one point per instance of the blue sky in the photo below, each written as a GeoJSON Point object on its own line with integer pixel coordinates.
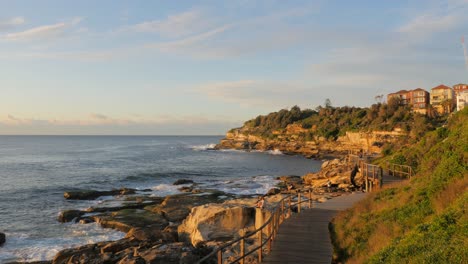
{"type": "Point", "coordinates": [202, 67]}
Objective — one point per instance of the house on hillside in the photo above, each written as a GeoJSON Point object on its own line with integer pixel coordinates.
{"type": "Point", "coordinates": [461, 93]}
{"type": "Point", "coordinates": [418, 99]}
{"type": "Point", "coordinates": [402, 95]}
{"type": "Point", "coordinates": [443, 99]}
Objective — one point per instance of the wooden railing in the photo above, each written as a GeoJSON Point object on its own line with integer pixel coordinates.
{"type": "Point", "coordinates": [399, 170]}
{"type": "Point", "coordinates": [371, 173]}
{"type": "Point", "coordinates": [270, 227]}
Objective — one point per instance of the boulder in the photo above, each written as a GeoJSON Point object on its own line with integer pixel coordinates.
{"type": "Point", "coordinates": [93, 194]}
{"type": "Point", "coordinates": [2, 238]}
{"type": "Point", "coordinates": [69, 215]}
{"type": "Point", "coordinates": [215, 222]}
{"type": "Point", "coordinates": [182, 181]}
{"type": "Point", "coordinates": [119, 245]}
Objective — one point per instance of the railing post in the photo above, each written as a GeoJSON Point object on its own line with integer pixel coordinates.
{"type": "Point", "coordinates": [242, 246]}
{"type": "Point", "coordinates": [260, 243]}
{"type": "Point", "coordinates": [268, 236]}
{"type": "Point", "coordinates": [289, 205]}
{"type": "Point", "coordinates": [220, 257]}
{"type": "Point", "coordinates": [367, 183]}
{"type": "Point", "coordinates": [381, 178]}
{"type": "Point", "coordinates": [299, 202]}
{"type": "Point", "coordinates": [282, 211]}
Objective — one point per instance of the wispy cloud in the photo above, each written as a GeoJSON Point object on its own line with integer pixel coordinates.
{"type": "Point", "coordinates": [11, 23]}
{"type": "Point", "coordinates": [427, 24]}
{"type": "Point", "coordinates": [182, 24]}
{"type": "Point", "coordinates": [42, 32]}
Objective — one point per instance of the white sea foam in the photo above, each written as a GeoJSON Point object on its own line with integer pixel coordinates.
{"type": "Point", "coordinates": [22, 247]}
{"type": "Point", "coordinates": [164, 189]}
{"type": "Point", "coordinates": [245, 185]}
{"type": "Point", "coordinates": [203, 147]}
{"type": "Point", "coordinates": [275, 152]}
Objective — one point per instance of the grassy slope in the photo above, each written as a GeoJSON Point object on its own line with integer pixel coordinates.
{"type": "Point", "coordinates": [421, 221]}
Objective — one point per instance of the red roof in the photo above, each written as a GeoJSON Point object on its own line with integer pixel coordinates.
{"type": "Point", "coordinates": [419, 89]}
{"type": "Point", "coordinates": [441, 87]}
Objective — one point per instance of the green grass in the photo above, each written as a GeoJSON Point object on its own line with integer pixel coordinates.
{"type": "Point", "coordinates": [420, 221]}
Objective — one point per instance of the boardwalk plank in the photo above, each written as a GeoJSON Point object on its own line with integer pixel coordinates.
{"type": "Point", "coordinates": [304, 238]}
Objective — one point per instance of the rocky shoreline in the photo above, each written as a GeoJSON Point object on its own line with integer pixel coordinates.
{"type": "Point", "coordinates": [184, 227]}
{"type": "Point", "coordinates": [293, 140]}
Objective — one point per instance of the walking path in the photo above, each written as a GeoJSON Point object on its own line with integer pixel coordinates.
{"type": "Point", "coordinates": [304, 237]}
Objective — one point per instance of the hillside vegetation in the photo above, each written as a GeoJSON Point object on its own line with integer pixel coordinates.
{"type": "Point", "coordinates": [423, 220]}
{"type": "Point", "coordinates": [330, 122]}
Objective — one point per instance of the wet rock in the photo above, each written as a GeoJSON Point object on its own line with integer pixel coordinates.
{"type": "Point", "coordinates": [93, 194]}
{"type": "Point", "coordinates": [69, 215]}
{"type": "Point", "coordinates": [73, 255]}
{"type": "Point", "coordinates": [273, 191]}
{"type": "Point", "coordinates": [85, 220]}
{"type": "Point", "coordinates": [2, 238]}
{"type": "Point", "coordinates": [137, 205]}
{"type": "Point", "coordinates": [125, 220]}
{"type": "Point", "coordinates": [185, 189]}
{"type": "Point", "coordinates": [290, 179]}
{"type": "Point", "coordinates": [130, 259]}
{"type": "Point", "coordinates": [173, 253]}
{"type": "Point", "coordinates": [176, 208]}
{"type": "Point", "coordinates": [182, 181]}
{"type": "Point", "coordinates": [119, 245]}
{"type": "Point", "coordinates": [151, 234]}
{"type": "Point", "coordinates": [215, 222]}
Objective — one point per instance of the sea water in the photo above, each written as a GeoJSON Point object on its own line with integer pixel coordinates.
{"type": "Point", "coordinates": [36, 170]}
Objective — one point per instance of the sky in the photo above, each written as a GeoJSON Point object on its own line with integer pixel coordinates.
{"type": "Point", "coordinates": [202, 67]}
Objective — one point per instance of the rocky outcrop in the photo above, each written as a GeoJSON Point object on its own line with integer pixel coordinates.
{"type": "Point", "coordinates": [215, 222]}
{"type": "Point", "coordinates": [128, 251]}
{"type": "Point", "coordinates": [93, 194]}
{"type": "Point", "coordinates": [69, 215]}
{"type": "Point", "coordinates": [125, 220]}
{"type": "Point", "coordinates": [338, 173]}
{"type": "Point", "coordinates": [182, 181]}
{"type": "Point", "coordinates": [2, 238]}
{"type": "Point", "coordinates": [293, 140]}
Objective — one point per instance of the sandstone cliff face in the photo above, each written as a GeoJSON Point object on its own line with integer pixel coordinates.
{"type": "Point", "coordinates": [292, 141]}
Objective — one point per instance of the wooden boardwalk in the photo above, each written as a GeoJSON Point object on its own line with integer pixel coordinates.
{"type": "Point", "coordinates": [304, 238]}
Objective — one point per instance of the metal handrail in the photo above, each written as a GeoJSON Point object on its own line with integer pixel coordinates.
{"type": "Point", "coordinates": [275, 215]}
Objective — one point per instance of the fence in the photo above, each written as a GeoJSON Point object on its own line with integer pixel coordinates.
{"type": "Point", "coordinates": [372, 174]}
{"type": "Point", "coordinates": [270, 227]}
{"type": "Point", "coordinates": [399, 170]}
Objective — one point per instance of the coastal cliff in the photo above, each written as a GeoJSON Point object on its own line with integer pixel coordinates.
{"type": "Point", "coordinates": [328, 131]}
{"type": "Point", "coordinates": [292, 141]}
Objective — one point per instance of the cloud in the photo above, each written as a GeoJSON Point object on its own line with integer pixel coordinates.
{"type": "Point", "coordinates": [11, 23]}
{"type": "Point", "coordinates": [189, 41]}
{"type": "Point", "coordinates": [182, 24]}
{"type": "Point", "coordinates": [428, 24]}
{"type": "Point", "coordinates": [42, 32]}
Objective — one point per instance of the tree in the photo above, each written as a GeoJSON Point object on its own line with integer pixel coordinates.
{"type": "Point", "coordinates": [378, 98]}
{"type": "Point", "coordinates": [328, 103]}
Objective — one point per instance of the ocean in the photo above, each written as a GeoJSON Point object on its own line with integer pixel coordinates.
{"type": "Point", "coordinates": [35, 171]}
